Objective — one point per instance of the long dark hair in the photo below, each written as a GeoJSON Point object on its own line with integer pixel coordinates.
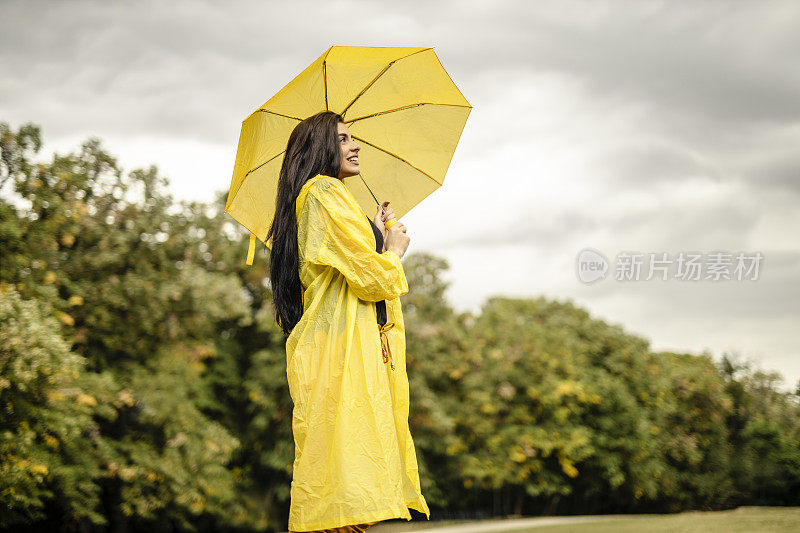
{"type": "Point", "coordinates": [312, 149]}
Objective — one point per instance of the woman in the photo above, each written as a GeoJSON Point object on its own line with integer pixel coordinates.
{"type": "Point", "coordinates": [337, 280]}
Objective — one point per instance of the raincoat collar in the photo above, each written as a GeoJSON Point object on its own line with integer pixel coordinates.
{"type": "Point", "coordinates": [301, 196]}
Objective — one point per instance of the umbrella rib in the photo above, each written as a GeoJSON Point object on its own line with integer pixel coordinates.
{"type": "Point", "coordinates": [397, 157]}
{"type": "Point", "coordinates": [248, 173]}
{"type": "Point", "coordinates": [378, 76]}
{"type": "Point", "coordinates": [262, 164]}
{"type": "Point", "coordinates": [325, 80]}
{"type": "Point", "coordinates": [403, 108]}
{"type": "Point", "coordinates": [325, 77]}
{"type": "Point", "coordinates": [262, 110]}
{"type": "Point", "coordinates": [278, 114]}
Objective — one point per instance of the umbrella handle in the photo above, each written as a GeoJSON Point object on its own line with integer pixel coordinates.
{"type": "Point", "coordinates": [389, 223]}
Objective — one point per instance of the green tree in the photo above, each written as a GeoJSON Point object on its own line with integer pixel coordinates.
{"type": "Point", "coordinates": [437, 359]}
{"type": "Point", "coordinates": [141, 299]}
{"type": "Point", "coordinates": [765, 434]}
{"type": "Point", "coordinates": [51, 449]}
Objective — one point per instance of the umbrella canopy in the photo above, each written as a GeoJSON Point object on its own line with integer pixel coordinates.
{"type": "Point", "coordinates": [399, 104]}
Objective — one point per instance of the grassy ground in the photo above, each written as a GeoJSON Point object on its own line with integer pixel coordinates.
{"type": "Point", "coordinates": [743, 519]}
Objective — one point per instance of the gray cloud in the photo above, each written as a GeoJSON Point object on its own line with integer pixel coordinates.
{"type": "Point", "coordinates": [669, 226]}
{"type": "Point", "coordinates": [734, 62]}
{"type": "Point", "coordinates": [651, 166]}
{"type": "Point", "coordinates": [781, 174]}
{"type": "Point", "coordinates": [198, 66]}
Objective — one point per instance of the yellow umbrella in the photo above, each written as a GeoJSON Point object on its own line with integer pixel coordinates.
{"type": "Point", "coordinates": [399, 104]}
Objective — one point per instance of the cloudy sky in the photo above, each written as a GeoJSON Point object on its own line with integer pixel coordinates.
{"type": "Point", "coordinates": [649, 127]}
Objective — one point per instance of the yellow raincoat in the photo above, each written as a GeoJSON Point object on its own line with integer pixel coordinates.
{"type": "Point", "coordinates": [355, 460]}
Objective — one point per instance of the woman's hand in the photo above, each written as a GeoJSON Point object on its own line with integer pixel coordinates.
{"type": "Point", "coordinates": [380, 220]}
{"type": "Point", "coordinates": [397, 240]}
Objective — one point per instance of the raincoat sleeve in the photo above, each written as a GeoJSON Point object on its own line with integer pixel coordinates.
{"type": "Point", "coordinates": [335, 236]}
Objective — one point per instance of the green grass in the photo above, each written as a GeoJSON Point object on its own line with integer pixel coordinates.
{"type": "Point", "coordinates": [743, 519]}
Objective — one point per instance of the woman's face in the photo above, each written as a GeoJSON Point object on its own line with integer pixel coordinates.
{"type": "Point", "coordinates": [349, 150]}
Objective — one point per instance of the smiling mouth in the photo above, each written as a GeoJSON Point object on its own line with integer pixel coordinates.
{"type": "Point", "coordinates": [353, 159]}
